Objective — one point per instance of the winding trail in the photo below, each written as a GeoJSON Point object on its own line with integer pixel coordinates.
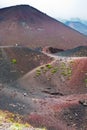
{"type": "Point", "coordinates": [62, 57]}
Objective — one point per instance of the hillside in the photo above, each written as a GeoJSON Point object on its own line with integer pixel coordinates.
{"type": "Point", "coordinates": [25, 25]}
{"type": "Point", "coordinates": [17, 61]}
{"type": "Point", "coordinates": [43, 72]}
{"type": "Point", "coordinates": [42, 91]}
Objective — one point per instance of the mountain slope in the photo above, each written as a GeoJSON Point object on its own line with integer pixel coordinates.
{"type": "Point", "coordinates": [82, 28]}
{"type": "Point", "coordinates": [25, 25]}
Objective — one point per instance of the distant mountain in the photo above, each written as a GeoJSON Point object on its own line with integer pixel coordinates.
{"type": "Point", "coordinates": [27, 26]}
{"type": "Point", "coordinates": [77, 24]}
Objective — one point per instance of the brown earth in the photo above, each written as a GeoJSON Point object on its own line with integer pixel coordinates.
{"type": "Point", "coordinates": [51, 93]}
{"type": "Point", "coordinates": [24, 25]}
{"type": "Point", "coordinates": [47, 90]}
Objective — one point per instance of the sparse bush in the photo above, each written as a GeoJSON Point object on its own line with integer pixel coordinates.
{"type": "Point", "coordinates": [86, 80]}
{"type": "Point", "coordinates": [38, 72]}
{"type": "Point", "coordinates": [64, 73]}
{"type": "Point", "coordinates": [71, 62]}
{"type": "Point", "coordinates": [14, 61]}
{"type": "Point", "coordinates": [42, 67]}
{"type": "Point", "coordinates": [45, 70]}
{"type": "Point", "coordinates": [54, 70]}
{"type": "Point", "coordinates": [9, 118]}
{"type": "Point", "coordinates": [66, 70]}
{"type": "Point", "coordinates": [49, 66]}
{"type": "Point", "coordinates": [63, 65]}
{"type": "Point", "coordinates": [69, 71]}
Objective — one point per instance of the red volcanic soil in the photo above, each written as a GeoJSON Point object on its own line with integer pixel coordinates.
{"type": "Point", "coordinates": [26, 25]}
{"type": "Point", "coordinates": [62, 113]}
{"type": "Point", "coordinates": [65, 97]}
{"type": "Point", "coordinates": [47, 92]}
{"type": "Point", "coordinates": [70, 78]}
{"type": "Point", "coordinates": [79, 76]}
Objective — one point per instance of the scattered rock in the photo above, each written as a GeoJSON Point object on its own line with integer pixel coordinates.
{"type": "Point", "coordinates": [25, 94]}
{"type": "Point", "coordinates": [63, 79]}
{"type": "Point", "coordinates": [83, 102]}
{"type": "Point", "coordinates": [1, 86]}
{"type": "Point", "coordinates": [51, 50]}
{"type": "Point", "coordinates": [13, 105]}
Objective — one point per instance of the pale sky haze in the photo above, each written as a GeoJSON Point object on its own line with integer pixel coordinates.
{"type": "Point", "coordinates": [55, 8]}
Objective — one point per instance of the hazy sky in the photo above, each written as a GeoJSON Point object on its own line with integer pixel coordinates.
{"type": "Point", "coordinates": [54, 8]}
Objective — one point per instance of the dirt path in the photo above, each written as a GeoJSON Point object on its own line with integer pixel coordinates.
{"type": "Point", "coordinates": [62, 57]}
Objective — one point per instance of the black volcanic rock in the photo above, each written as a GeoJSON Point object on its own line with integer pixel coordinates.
{"type": "Point", "coordinates": [54, 50]}
{"type": "Point", "coordinates": [80, 51]}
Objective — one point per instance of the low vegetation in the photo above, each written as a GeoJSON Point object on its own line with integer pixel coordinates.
{"type": "Point", "coordinates": [54, 70]}
{"type": "Point", "coordinates": [49, 66]}
{"type": "Point", "coordinates": [14, 122]}
{"type": "Point", "coordinates": [63, 68]}
{"type": "Point", "coordinates": [85, 81]}
{"type": "Point", "coordinates": [38, 72]}
{"type": "Point", "coordinates": [46, 68]}
{"type": "Point", "coordinates": [13, 61]}
{"type": "Point", "coordinates": [66, 70]}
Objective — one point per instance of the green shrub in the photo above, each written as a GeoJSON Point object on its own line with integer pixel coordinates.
{"type": "Point", "coordinates": [45, 70]}
{"type": "Point", "coordinates": [54, 70]}
{"type": "Point", "coordinates": [63, 65]}
{"type": "Point", "coordinates": [38, 72]}
{"type": "Point", "coordinates": [14, 61]}
{"type": "Point", "coordinates": [64, 73]}
{"type": "Point", "coordinates": [86, 80]}
{"type": "Point", "coordinates": [42, 67]}
{"type": "Point", "coordinates": [49, 66]}
{"type": "Point", "coordinates": [69, 71]}
{"type": "Point", "coordinates": [71, 62]}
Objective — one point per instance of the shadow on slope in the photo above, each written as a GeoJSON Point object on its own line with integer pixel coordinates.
{"type": "Point", "coordinates": [17, 61]}
{"type": "Point", "coordinates": [80, 51]}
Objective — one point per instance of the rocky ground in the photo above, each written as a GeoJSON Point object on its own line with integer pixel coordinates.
{"type": "Point", "coordinates": [46, 92]}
